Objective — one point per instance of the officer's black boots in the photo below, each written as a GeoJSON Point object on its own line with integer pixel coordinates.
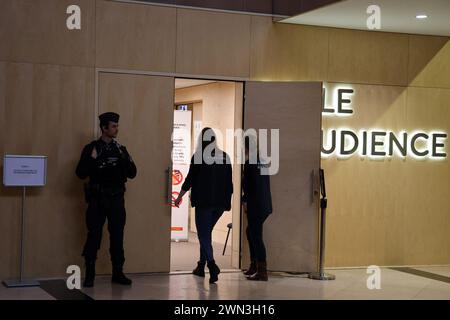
{"type": "Point", "coordinates": [119, 277]}
{"type": "Point", "coordinates": [90, 275]}
{"type": "Point", "coordinates": [213, 271]}
{"type": "Point", "coordinates": [251, 270]}
{"type": "Point", "coordinates": [200, 270]}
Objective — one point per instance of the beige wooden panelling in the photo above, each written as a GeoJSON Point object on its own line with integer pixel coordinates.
{"type": "Point", "coordinates": [135, 36]}
{"type": "Point", "coordinates": [389, 211]}
{"type": "Point", "coordinates": [368, 57]}
{"type": "Point", "coordinates": [145, 104]}
{"type": "Point", "coordinates": [365, 214]}
{"type": "Point", "coordinates": [36, 31]}
{"type": "Point", "coordinates": [429, 61]}
{"type": "Point", "coordinates": [427, 187]}
{"type": "Point", "coordinates": [287, 52]}
{"type": "Point", "coordinates": [213, 43]}
{"type": "Point", "coordinates": [45, 110]}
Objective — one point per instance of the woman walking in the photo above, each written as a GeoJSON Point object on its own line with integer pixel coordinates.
{"type": "Point", "coordinates": [210, 181]}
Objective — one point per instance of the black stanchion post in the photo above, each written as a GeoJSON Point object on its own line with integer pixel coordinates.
{"type": "Point", "coordinates": [321, 275]}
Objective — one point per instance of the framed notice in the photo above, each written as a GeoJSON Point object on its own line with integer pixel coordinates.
{"type": "Point", "coordinates": [24, 171]}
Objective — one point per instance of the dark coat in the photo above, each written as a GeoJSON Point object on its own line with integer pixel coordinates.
{"type": "Point", "coordinates": [256, 189]}
{"type": "Point", "coordinates": [113, 165]}
{"type": "Point", "coordinates": [211, 184]}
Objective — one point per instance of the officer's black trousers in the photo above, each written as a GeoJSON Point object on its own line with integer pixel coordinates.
{"type": "Point", "coordinates": [255, 237]}
{"type": "Point", "coordinates": [99, 209]}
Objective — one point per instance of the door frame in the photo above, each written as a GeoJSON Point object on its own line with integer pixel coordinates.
{"type": "Point", "coordinates": [175, 75]}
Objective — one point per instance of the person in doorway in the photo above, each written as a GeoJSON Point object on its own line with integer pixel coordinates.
{"type": "Point", "coordinates": [210, 181]}
{"type": "Point", "coordinates": [108, 166]}
{"type": "Point", "coordinates": [257, 202]}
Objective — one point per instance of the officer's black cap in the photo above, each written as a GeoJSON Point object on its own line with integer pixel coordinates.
{"type": "Point", "coordinates": [106, 117]}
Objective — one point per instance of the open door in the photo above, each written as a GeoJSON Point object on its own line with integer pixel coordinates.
{"type": "Point", "coordinates": [291, 232]}
{"type": "Point", "coordinates": [145, 105]}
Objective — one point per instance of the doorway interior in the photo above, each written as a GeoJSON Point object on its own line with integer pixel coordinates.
{"type": "Point", "coordinates": [199, 104]}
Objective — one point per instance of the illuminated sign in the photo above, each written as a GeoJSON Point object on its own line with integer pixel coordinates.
{"type": "Point", "coordinates": [376, 143]}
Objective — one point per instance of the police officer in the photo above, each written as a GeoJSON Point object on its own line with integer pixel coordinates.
{"type": "Point", "coordinates": [108, 165]}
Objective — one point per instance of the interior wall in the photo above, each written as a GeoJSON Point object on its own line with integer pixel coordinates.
{"type": "Point", "coordinates": [391, 212]}
{"type": "Point", "coordinates": [47, 102]}
{"type": "Point", "coordinates": [45, 110]}
{"type": "Point", "coordinates": [217, 112]}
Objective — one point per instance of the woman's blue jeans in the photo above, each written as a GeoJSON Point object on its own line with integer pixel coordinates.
{"type": "Point", "coordinates": [205, 220]}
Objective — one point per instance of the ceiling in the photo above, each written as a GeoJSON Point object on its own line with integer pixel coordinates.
{"type": "Point", "coordinates": [186, 83]}
{"type": "Point", "coordinates": [396, 16]}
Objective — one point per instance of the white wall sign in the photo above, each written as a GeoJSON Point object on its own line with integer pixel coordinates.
{"type": "Point", "coordinates": [24, 171]}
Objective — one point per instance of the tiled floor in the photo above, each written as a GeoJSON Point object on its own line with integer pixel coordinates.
{"type": "Point", "coordinates": [349, 284]}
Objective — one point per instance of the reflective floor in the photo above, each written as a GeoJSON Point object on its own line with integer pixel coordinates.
{"type": "Point", "coordinates": [349, 284]}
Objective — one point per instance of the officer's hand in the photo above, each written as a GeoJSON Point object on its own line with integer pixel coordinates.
{"type": "Point", "coordinates": [94, 153]}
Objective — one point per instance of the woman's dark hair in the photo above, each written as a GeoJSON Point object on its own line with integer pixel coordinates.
{"type": "Point", "coordinates": [251, 145]}
{"type": "Point", "coordinates": [206, 137]}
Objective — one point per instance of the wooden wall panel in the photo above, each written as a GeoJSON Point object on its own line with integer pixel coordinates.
{"type": "Point", "coordinates": [46, 110]}
{"type": "Point", "coordinates": [427, 187]}
{"type": "Point", "coordinates": [368, 57]}
{"type": "Point", "coordinates": [36, 31]}
{"type": "Point", "coordinates": [287, 52]}
{"type": "Point", "coordinates": [135, 36]}
{"type": "Point", "coordinates": [213, 43]}
{"type": "Point", "coordinates": [389, 211]}
{"type": "Point", "coordinates": [429, 61]}
{"type": "Point", "coordinates": [365, 213]}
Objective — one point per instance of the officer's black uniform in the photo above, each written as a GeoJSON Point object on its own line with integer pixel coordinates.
{"type": "Point", "coordinates": [105, 196]}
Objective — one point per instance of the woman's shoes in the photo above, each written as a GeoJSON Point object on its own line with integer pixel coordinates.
{"type": "Point", "coordinates": [199, 271]}
{"type": "Point", "coordinates": [251, 270]}
{"type": "Point", "coordinates": [213, 271]}
{"type": "Point", "coordinates": [261, 272]}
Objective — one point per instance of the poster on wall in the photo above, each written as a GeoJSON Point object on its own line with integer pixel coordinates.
{"type": "Point", "coordinates": [181, 157]}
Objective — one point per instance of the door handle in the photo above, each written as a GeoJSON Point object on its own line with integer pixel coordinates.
{"type": "Point", "coordinates": [169, 185]}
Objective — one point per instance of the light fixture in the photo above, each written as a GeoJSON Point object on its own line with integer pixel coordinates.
{"type": "Point", "coordinates": [421, 16]}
